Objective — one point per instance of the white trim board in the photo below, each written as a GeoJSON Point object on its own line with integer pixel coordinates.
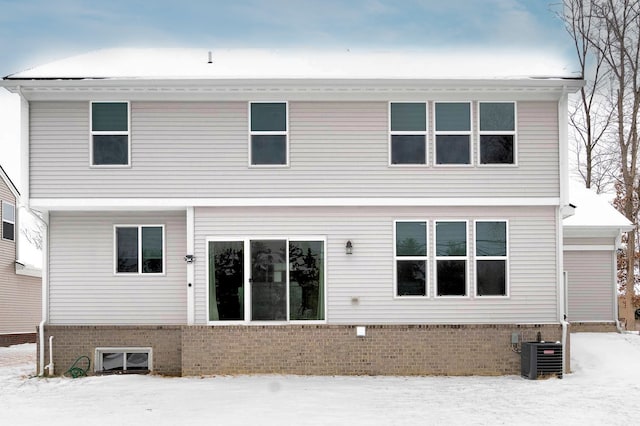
{"type": "Point", "coordinates": [88, 204]}
{"type": "Point", "coordinates": [595, 247]}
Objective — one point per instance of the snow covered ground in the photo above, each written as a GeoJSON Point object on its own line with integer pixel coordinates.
{"type": "Point", "coordinates": [604, 388]}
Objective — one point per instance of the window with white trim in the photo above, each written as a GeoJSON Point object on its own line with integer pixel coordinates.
{"type": "Point", "coordinates": [408, 132]}
{"type": "Point", "coordinates": [110, 136]}
{"type": "Point", "coordinates": [139, 249]}
{"type": "Point", "coordinates": [8, 221]}
{"type": "Point", "coordinates": [268, 144]}
{"type": "Point", "coordinates": [274, 279]}
{"type": "Point", "coordinates": [497, 130]}
{"type": "Point", "coordinates": [453, 133]}
{"type": "Point", "coordinates": [491, 258]}
{"type": "Point", "coordinates": [410, 257]}
{"type": "Point", "coordinates": [114, 360]}
{"type": "Point", "coordinates": [451, 258]}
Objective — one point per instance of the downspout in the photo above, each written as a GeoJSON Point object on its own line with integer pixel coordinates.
{"type": "Point", "coordinates": [614, 264]}
{"type": "Point", "coordinates": [45, 297]}
{"type": "Point", "coordinates": [563, 136]}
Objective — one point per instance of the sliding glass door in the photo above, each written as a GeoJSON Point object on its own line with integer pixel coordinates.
{"type": "Point", "coordinates": [278, 279]}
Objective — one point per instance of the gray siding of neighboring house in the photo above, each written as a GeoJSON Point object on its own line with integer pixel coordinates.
{"type": "Point", "coordinates": [83, 287]}
{"type": "Point", "coordinates": [591, 281]}
{"type": "Point", "coordinates": [367, 274]}
{"type": "Point", "coordinates": [20, 296]}
{"type": "Point", "coordinates": [337, 149]}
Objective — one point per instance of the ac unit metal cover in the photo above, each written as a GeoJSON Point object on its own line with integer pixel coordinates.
{"type": "Point", "coordinates": [541, 359]}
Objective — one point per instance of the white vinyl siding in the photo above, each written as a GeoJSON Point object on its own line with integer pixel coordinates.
{"type": "Point", "coordinates": [360, 286]}
{"type": "Point", "coordinates": [20, 296]}
{"type": "Point", "coordinates": [83, 287]}
{"type": "Point", "coordinates": [336, 149]}
{"type": "Point", "coordinates": [591, 281]}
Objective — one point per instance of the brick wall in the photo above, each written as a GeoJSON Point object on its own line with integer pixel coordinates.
{"type": "Point", "coordinates": [71, 342]}
{"type": "Point", "coordinates": [332, 349]}
{"type": "Point", "coordinates": [309, 349]}
{"type": "Point", "coordinates": [17, 339]}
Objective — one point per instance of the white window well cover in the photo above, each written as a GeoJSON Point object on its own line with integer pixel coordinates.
{"type": "Point", "coordinates": [303, 63]}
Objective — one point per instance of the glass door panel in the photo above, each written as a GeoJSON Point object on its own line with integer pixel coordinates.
{"type": "Point", "coordinates": [226, 280]}
{"type": "Point", "coordinates": [268, 280]}
{"type": "Point", "coordinates": [306, 280]}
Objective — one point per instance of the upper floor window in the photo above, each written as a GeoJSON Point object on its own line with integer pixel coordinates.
{"type": "Point", "coordinates": [451, 258]}
{"type": "Point", "coordinates": [408, 130]}
{"type": "Point", "coordinates": [139, 249]}
{"type": "Point", "coordinates": [268, 144]}
{"type": "Point", "coordinates": [110, 137]}
{"type": "Point", "coordinates": [453, 132]}
{"type": "Point", "coordinates": [411, 258]}
{"type": "Point", "coordinates": [8, 221]}
{"type": "Point", "coordinates": [497, 132]}
{"type": "Point", "coordinates": [491, 258]}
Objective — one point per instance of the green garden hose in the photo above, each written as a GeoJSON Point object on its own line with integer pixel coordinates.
{"type": "Point", "coordinates": [76, 371]}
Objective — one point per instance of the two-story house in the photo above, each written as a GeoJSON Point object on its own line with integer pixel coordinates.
{"type": "Point", "coordinates": [20, 283]}
{"type": "Point", "coordinates": [252, 211]}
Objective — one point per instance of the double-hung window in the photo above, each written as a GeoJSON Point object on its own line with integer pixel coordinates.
{"type": "Point", "coordinates": [8, 221]}
{"type": "Point", "coordinates": [110, 137]}
{"type": "Point", "coordinates": [268, 145]}
{"type": "Point", "coordinates": [491, 258]}
{"type": "Point", "coordinates": [497, 132]}
{"type": "Point", "coordinates": [453, 133]}
{"type": "Point", "coordinates": [451, 258]}
{"type": "Point", "coordinates": [139, 249]}
{"type": "Point", "coordinates": [410, 256]}
{"type": "Point", "coordinates": [407, 133]}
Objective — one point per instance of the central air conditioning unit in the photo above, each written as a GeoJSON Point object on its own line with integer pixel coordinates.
{"type": "Point", "coordinates": [541, 359]}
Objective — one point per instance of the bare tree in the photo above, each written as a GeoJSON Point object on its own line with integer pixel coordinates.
{"type": "Point", "coordinates": [611, 29]}
{"type": "Point", "coordinates": [590, 115]}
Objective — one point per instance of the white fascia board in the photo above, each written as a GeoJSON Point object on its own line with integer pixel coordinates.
{"type": "Point", "coordinates": [92, 204]}
{"type": "Point", "coordinates": [296, 89]}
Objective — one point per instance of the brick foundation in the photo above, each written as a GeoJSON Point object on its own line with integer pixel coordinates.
{"type": "Point", "coordinates": [593, 327]}
{"type": "Point", "coordinates": [71, 342]}
{"type": "Point", "coordinates": [17, 339]}
{"type": "Point", "coordinates": [308, 349]}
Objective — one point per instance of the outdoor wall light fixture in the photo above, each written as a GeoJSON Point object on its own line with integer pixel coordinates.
{"type": "Point", "coordinates": [189, 258]}
{"type": "Point", "coordinates": [348, 249]}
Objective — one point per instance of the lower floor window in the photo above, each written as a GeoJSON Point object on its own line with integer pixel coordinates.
{"type": "Point", "coordinates": [491, 258]}
{"type": "Point", "coordinates": [266, 280]}
{"type": "Point", "coordinates": [123, 359]}
{"type": "Point", "coordinates": [139, 249]}
{"type": "Point", "coordinates": [451, 258]}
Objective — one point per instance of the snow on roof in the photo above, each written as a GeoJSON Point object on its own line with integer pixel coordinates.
{"type": "Point", "coordinates": [593, 210]}
{"type": "Point", "coordinates": [300, 63]}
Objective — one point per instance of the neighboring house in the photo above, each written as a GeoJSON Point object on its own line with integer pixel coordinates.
{"type": "Point", "coordinates": [301, 213]}
{"type": "Point", "coordinates": [591, 238]}
{"type": "Point", "coordinates": [20, 284]}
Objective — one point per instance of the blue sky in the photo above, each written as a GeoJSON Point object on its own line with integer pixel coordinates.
{"type": "Point", "coordinates": [33, 32]}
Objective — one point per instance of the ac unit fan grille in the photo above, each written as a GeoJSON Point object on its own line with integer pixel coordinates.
{"type": "Point", "coordinates": [541, 359]}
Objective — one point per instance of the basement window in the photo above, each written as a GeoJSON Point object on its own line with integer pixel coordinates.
{"type": "Point", "coordinates": [121, 360]}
